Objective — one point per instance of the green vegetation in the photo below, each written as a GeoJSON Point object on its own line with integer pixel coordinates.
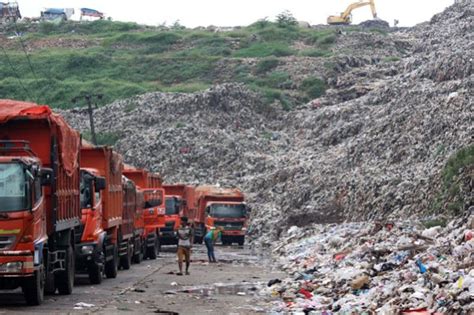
{"type": "Point", "coordinates": [313, 87]}
{"type": "Point", "coordinates": [460, 160]}
{"type": "Point", "coordinates": [315, 53]}
{"type": "Point", "coordinates": [259, 50]}
{"type": "Point", "coordinates": [450, 197]}
{"type": "Point", "coordinates": [266, 65]}
{"type": "Point", "coordinates": [434, 222]}
{"type": "Point", "coordinates": [391, 59]}
{"type": "Point", "coordinates": [120, 60]}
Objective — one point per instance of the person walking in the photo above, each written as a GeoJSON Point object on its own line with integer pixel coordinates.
{"type": "Point", "coordinates": [185, 241]}
{"type": "Point", "coordinates": [210, 239]}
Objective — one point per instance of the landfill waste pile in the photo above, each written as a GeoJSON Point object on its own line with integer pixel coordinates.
{"type": "Point", "coordinates": [373, 147]}
{"type": "Point", "coordinates": [379, 268]}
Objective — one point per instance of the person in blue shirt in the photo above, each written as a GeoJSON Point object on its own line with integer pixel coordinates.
{"type": "Point", "coordinates": [210, 239]}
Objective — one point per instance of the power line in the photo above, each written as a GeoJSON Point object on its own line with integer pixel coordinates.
{"type": "Point", "coordinates": [48, 77]}
{"type": "Point", "coordinates": [24, 51]}
{"type": "Point", "coordinates": [16, 74]}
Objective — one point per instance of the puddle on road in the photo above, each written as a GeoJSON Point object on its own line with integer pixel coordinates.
{"type": "Point", "coordinates": [244, 289]}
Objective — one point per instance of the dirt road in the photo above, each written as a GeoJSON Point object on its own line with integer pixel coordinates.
{"type": "Point", "coordinates": [228, 287]}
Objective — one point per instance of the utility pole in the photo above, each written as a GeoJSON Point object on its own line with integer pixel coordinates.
{"type": "Point", "coordinates": [89, 98]}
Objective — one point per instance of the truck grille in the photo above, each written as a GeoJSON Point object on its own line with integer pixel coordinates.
{"type": "Point", "coordinates": [230, 226]}
{"type": "Point", "coordinates": [6, 242]}
{"type": "Point", "coordinates": [169, 227]}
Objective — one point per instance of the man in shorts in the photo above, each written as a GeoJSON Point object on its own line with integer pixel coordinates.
{"type": "Point", "coordinates": [185, 240]}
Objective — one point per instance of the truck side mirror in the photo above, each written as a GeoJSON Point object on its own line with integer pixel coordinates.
{"type": "Point", "coordinates": [208, 210]}
{"type": "Point", "coordinates": [100, 183]}
{"type": "Point", "coordinates": [46, 176]}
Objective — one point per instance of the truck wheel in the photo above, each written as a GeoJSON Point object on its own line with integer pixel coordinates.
{"type": "Point", "coordinates": [49, 286]}
{"type": "Point", "coordinates": [65, 279]}
{"type": "Point", "coordinates": [241, 242]}
{"type": "Point", "coordinates": [152, 252]}
{"type": "Point", "coordinates": [111, 267]}
{"type": "Point", "coordinates": [96, 270]}
{"type": "Point", "coordinates": [126, 261]}
{"type": "Point", "coordinates": [137, 258]}
{"type": "Point", "coordinates": [33, 289]}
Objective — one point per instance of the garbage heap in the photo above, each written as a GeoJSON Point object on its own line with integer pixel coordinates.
{"type": "Point", "coordinates": [383, 267]}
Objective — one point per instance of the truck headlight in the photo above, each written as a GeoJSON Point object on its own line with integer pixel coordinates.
{"type": "Point", "coordinates": [11, 267]}
{"type": "Point", "coordinates": [87, 249]}
{"type": "Point", "coordinates": [36, 258]}
{"type": "Point", "coordinates": [244, 229]}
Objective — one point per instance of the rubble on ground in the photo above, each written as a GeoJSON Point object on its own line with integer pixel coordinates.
{"type": "Point", "coordinates": [383, 267]}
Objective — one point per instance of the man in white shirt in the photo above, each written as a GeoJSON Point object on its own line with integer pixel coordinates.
{"type": "Point", "coordinates": [185, 241]}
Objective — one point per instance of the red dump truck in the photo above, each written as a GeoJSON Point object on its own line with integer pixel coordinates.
{"type": "Point", "coordinates": [39, 200]}
{"type": "Point", "coordinates": [150, 185]}
{"type": "Point", "coordinates": [112, 243]}
{"type": "Point", "coordinates": [175, 203]}
{"type": "Point", "coordinates": [213, 207]}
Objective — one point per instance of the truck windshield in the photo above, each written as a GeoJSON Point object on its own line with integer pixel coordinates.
{"type": "Point", "coordinates": [13, 187]}
{"type": "Point", "coordinates": [228, 211]}
{"type": "Point", "coordinates": [172, 206]}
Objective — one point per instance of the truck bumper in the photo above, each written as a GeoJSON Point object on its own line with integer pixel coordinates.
{"type": "Point", "coordinates": [168, 238]}
{"type": "Point", "coordinates": [86, 254]}
{"type": "Point", "coordinates": [14, 266]}
{"type": "Point", "coordinates": [233, 238]}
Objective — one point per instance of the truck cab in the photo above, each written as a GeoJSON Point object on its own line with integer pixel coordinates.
{"type": "Point", "coordinates": [216, 206]}
{"type": "Point", "coordinates": [232, 217]}
{"type": "Point", "coordinates": [89, 252]}
{"type": "Point", "coordinates": [23, 219]}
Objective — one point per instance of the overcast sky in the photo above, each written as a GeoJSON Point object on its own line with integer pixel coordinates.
{"type": "Point", "coordinates": [192, 13]}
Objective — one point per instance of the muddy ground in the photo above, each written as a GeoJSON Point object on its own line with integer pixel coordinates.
{"type": "Point", "coordinates": [228, 287]}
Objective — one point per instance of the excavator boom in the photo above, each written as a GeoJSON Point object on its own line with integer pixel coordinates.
{"type": "Point", "coordinates": [345, 17]}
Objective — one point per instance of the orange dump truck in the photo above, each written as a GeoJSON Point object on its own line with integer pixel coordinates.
{"type": "Point", "coordinates": [175, 202]}
{"type": "Point", "coordinates": [133, 226]}
{"type": "Point", "coordinates": [214, 207]}
{"type": "Point", "coordinates": [39, 200]}
{"type": "Point", "coordinates": [150, 185]}
{"type": "Point", "coordinates": [107, 241]}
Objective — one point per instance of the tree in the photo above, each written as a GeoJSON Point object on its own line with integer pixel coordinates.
{"type": "Point", "coordinates": [286, 19]}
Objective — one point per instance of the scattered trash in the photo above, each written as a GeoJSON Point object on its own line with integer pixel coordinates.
{"type": "Point", "coordinates": [82, 305]}
{"type": "Point", "coordinates": [390, 271]}
{"type": "Point", "coordinates": [139, 290]}
{"type": "Point", "coordinates": [274, 281]}
{"type": "Point", "coordinates": [174, 283]}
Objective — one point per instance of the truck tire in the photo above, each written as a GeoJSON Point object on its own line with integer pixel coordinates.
{"type": "Point", "coordinates": [33, 289]}
{"type": "Point", "coordinates": [96, 270]}
{"type": "Point", "coordinates": [138, 257]}
{"type": "Point", "coordinates": [241, 242]}
{"type": "Point", "coordinates": [95, 274]}
{"type": "Point", "coordinates": [65, 279]}
{"type": "Point", "coordinates": [111, 267]}
{"type": "Point", "coordinates": [152, 252]}
{"type": "Point", "coordinates": [49, 286]}
{"type": "Point", "coordinates": [126, 260]}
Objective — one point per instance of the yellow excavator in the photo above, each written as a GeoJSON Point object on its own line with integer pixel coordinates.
{"type": "Point", "coordinates": [346, 17]}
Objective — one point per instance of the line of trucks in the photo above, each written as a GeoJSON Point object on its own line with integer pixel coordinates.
{"type": "Point", "coordinates": [68, 207]}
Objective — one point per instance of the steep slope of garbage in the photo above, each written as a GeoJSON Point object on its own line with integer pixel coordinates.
{"type": "Point", "coordinates": [375, 153]}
